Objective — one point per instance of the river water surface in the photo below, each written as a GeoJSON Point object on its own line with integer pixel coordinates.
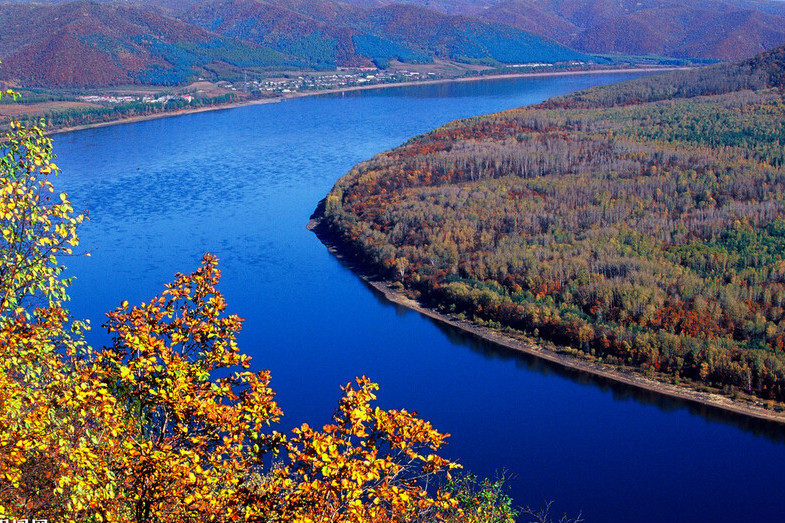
{"type": "Point", "coordinates": [242, 183]}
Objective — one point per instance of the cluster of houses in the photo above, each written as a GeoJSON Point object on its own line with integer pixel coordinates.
{"type": "Point", "coordinates": [117, 99]}
{"type": "Point", "coordinates": [343, 77]}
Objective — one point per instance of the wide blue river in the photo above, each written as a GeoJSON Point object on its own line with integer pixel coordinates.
{"type": "Point", "coordinates": [242, 183]}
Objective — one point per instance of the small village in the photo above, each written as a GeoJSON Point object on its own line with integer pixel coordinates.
{"type": "Point", "coordinates": [124, 99]}
{"type": "Point", "coordinates": [343, 77]}
{"type": "Point", "coordinates": [256, 85]}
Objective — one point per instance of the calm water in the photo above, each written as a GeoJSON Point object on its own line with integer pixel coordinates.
{"type": "Point", "coordinates": [242, 183]}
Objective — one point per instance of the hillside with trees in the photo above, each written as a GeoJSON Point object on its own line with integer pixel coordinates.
{"type": "Point", "coordinates": [640, 225]}
{"type": "Point", "coordinates": [82, 44]}
{"type": "Point", "coordinates": [330, 34]}
{"type": "Point", "coordinates": [85, 44]}
{"type": "Point", "coordinates": [718, 29]}
{"type": "Point", "coordinates": [76, 44]}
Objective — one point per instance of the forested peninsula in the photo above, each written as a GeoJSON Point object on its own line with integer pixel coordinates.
{"type": "Point", "coordinates": [638, 226]}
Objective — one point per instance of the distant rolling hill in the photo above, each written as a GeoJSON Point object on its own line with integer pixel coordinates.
{"type": "Point", "coordinates": [720, 29]}
{"type": "Point", "coordinates": [69, 44]}
{"type": "Point", "coordinates": [161, 42]}
{"type": "Point", "coordinates": [86, 44]}
{"type": "Point", "coordinates": [707, 29]}
{"type": "Point", "coordinates": [328, 33]}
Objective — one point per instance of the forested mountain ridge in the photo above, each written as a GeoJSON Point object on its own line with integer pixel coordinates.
{"type": "Point", "coordinates": [93, 44]}
{"type": "Point", "coordinates": [88, 44]}
{"type": "Point", "coordinates": [327, 34]}
{"type": "Point", "coordinates": [764, 71]}
{"type": "Point", "coordinates": [709, 29]}
{"type": "Point", "coordinates": [640, 224]}
{"type": "Point", "coordinates": [719, 29]}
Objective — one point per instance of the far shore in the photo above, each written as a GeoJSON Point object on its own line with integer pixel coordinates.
{"type": "Point", "coordinates": [302, 94]}
{"type": "Point", "coordinates": [628, 376]}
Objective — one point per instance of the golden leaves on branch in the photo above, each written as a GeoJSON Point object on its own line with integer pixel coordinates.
{"type": "Point", "coordinates": [35, 228]}
{"type": "Point", "coordinates": [199, 435]}
{"type": "Point", "coordinates": [169, 423]}
{"type": "Point", "coordinates": [368, 465]}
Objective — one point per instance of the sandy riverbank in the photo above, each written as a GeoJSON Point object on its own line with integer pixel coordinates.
{"type": "Point", "coordinates": [244, 103]}
{"type": "Point", "coordinates": [627, 376]}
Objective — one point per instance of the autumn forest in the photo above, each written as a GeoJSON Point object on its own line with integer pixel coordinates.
{"type": "Point", "coordinates": [639, 224]}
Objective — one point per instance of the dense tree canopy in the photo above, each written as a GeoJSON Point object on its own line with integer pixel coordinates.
{"type": "Point", "coordinates": [641, 224]}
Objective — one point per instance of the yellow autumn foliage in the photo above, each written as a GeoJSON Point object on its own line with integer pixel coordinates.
{"type": "Point", "coordinates": [170, 423]}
